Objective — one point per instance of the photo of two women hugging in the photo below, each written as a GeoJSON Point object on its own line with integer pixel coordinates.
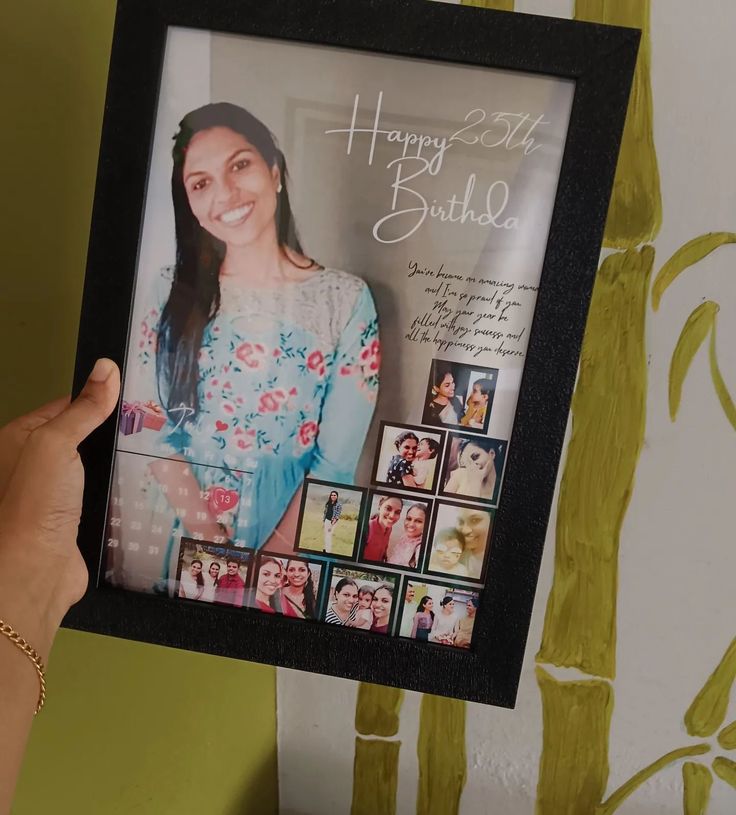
{"type": "Point", "coordinates": [287, 586]}
{"type": "Point", "coordinates": [396, 530]}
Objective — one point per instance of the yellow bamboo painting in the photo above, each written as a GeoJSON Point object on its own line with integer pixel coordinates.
{"type": "Point", "coordinates": [598, 477]}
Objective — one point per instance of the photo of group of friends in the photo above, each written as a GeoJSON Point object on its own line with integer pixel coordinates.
{"type": "Point", "coordinates": [223, 575]}
{"type": "Point", "coordinates": [212, 574]}
{"type": "Point", "coordinates": [352, 596]}
{"type": "Point", "coordinates": [393, 529]}
{"type": "Point", "coordinates": [436, 613]}
{"type": "Point", "coordinates": [424, 528]}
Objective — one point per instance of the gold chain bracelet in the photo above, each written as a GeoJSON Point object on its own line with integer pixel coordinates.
{"type": "Point", "coordinates": [32, 654]}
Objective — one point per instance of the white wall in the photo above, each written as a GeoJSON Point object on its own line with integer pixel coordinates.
{"type": "Point", "coordinates": [678, 558]}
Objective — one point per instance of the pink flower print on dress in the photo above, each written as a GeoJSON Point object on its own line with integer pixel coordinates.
{"type": "Point", "coordinates": [252, 355]}
{"type": "Point", "coordinates": [245, 438]}
{"type": "Point", "coordinates": [316, 363]}
{"type": "Point", "coordinates": [268, 403]}
{"type": "Point", "coordinates": [370, 358]}
{"type": "Point", "coordinates": [308, 433]}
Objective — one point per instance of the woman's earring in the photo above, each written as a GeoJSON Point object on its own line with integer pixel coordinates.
{"type": "Point", "coordinates": [279, 188]}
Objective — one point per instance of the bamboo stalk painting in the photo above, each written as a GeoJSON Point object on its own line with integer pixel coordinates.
{"type": "Point", "coordinates": [608, 420]}
{"type": "Point", "coordinates": [434, 711]}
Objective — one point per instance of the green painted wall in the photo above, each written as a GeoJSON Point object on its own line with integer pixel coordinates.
{"type": "Point", "coordinates": [127, 727]}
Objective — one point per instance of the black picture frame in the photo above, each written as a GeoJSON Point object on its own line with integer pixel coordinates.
{"type": "Point", "coordinates": [601, 61]}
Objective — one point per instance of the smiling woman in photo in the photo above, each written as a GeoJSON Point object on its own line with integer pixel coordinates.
{"type": "Point", "coordinates": [298, 594]}
{"type": "Point", "coordinates": [191, 583]}
{"type": "Point", "coordinates": [265, 361]}
{"type": "Point", "coordinates": [266, 596]}
{"type": "Point", "coordinates": [443, 406]}
{"type": "Point", "coordinates": [380, 527]}
{"type": "Point", "coordinates": [344, 605]}
{"type": "Point", "coordinates": [475, 475]}
{"type": "Point", "coordinates": [383, 598]}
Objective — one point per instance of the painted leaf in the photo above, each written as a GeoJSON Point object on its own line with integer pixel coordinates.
{"type": "Point", "coordinates": [612, 803]}
{"type": "Point", "coordinates": [688, 255]}
{"type": "Point", "coordinates": [725, 769]}
{"type": "Point", "coordinates": [708, 710]}
{"type": "Point", "coordinates": [692, 336]}
{"type": "Point", "coordinates": [727, 737]}
{"type": "Point", "coordinates": [697, 782]}
{"type": "Point", "coordinates": [724, 397]}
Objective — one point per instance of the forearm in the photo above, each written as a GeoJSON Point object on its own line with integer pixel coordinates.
{"type": "Point", "coordinates": [283, 537]}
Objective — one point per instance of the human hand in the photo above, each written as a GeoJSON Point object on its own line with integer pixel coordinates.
{"type": "Point", "coordinates": [42, 572]}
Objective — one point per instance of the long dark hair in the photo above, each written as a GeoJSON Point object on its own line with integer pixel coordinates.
{"type": "Point", "coordinates": [273, 600]}
{"type": "Point", "coordinates": [195, 291]}
{"type": "Point", "coordinates": [199, 580]}
{"type": "Point", "coordinates": [423, 606]}
{"type": "Point", "coordinates": [329, 497]}
{"type": "Point", "coordinates": [310, 595]}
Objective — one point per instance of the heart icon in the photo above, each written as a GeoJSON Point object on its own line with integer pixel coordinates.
{"type": "Point", "coordinates": [221, 426]}
{"type": "Point", "coordinates": [223, 500]}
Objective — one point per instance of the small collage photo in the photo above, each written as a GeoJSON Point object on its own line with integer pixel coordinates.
{"type": "Point", "coordinates": [406, 556]}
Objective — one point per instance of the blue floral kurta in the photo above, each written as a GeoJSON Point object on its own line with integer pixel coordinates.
{"type": "Point", "coordinates": [288, 384]}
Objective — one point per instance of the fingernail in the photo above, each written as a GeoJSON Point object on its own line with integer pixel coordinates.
{"type": "Point", "coordinates": [102, 370]}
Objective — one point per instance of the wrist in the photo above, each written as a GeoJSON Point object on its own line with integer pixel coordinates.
{"type": "Point", "coordinates": [32, 602]}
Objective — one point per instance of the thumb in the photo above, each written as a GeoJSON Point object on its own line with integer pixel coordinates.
{"type": "Point", "coordinates": [94, 404]}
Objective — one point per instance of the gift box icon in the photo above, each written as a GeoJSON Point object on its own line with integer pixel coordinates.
{"type": "Point", "coordinates": [131, 418]}
{"type": "Point", "coordinates": [153, 416]}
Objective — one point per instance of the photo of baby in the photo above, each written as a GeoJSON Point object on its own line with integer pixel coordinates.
{"type": "Point", "coordinates": [473, 467]}
{"type": "Point", "coordinates": [459, 396]}
{"type": "Point", "coordinates": [408, 457]}
{"type": "Point", "coordinates": [212, 573]}
{"type": "Point", "coordinates": [460, 537]}
{"type": "Point", "coordinates": [396, 530]}
{"type": "Point", "coordinates": [360, 599]}
{"type": "Point", "coordinates": [329, 517]}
